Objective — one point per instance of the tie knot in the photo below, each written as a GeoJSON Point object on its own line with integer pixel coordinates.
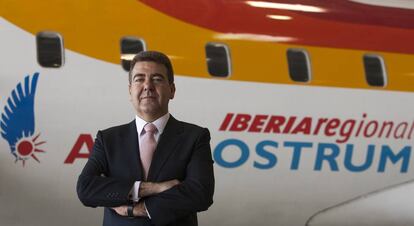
{"type": "Point", "coordinates": [150, 128]}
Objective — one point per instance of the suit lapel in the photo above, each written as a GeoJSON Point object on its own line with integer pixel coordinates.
{"type": "Point", "coordinates": [132, 146]}
{"type": "Point", "coordinates": [165, 147]}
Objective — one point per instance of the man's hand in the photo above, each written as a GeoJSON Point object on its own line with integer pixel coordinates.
{"type": "Point", "coordinates": [121, 210]}
{"type": "Point", "coordinates": [153, 188]}
{"type": "Point", "coordinates": [167, 185]}
{"type": "Point", "coordinates": [146, 189]}
{"type": "Point", "coordinates": [138, 211]}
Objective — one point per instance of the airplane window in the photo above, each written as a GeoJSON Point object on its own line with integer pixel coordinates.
{"type": "Point", "coordinates": [299, 65]}
{"type": "Point", "coordinates": [375, 74]}
{"type": "Point", "coordinates": [49, 49]}
{"type": "Point", "coordinates": [218, 59]}
{"type": "Point", "coordinates": [130, 46]}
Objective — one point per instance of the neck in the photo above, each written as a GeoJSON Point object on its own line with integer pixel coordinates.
{"type": "Point", "coordinates": [151, 117]}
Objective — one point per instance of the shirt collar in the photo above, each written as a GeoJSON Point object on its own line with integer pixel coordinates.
{"type": "Point", "coordinates": [160, 123]}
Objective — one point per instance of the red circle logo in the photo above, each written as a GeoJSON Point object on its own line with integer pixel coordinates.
{"type": "Point", "coordinates": [25, 148]}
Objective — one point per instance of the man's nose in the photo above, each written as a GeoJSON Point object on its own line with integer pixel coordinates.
{"type": "Point", "coordinates": [148, 84]}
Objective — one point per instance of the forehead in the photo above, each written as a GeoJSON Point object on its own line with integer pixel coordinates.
{"type": "Point", "coordinates": [149, 67]}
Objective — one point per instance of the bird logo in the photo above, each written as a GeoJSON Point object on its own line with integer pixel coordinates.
{"type": "Point", "coordinates": [17, 123]}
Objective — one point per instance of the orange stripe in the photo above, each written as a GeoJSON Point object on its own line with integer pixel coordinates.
{"type": "Point", "coordinates": [94, 28]}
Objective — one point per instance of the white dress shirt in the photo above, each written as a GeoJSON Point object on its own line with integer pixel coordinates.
{"type": "Point", "coordinates": [160, 123]}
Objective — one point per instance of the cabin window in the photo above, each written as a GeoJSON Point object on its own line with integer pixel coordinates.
{"type": "Point", "coordinates": [218, 60]}
{"type": "Point", "coordinates": [130, 46]}
{"type": "Point", "coordinates": [50, 51]}
{"type": "Point", "coordinates": [375, 74]}
{"type": "Point", "coordinates": [299, 65]}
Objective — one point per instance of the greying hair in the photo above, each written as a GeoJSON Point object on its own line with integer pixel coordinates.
{"type": "Point", "coordinates": [153, 56]}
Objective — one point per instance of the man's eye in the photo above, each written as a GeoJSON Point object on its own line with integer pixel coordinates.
{"type": "Point", "coordinates": [138, 79]}
{"type": "Point", "coordinates": [158, 79]}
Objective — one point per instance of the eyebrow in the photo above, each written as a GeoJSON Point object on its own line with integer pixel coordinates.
{"type": "Point", "coordinates": [155, 74]}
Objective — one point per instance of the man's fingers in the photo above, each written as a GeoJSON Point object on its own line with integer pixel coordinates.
{"type": "Point", "coordinates": [121, 210]}
{"type": "Point", "coordinates": [168, 184]}
{"type": "Point", "coordinates": [176, 181]}
{"type": "Point", "coordinates": [172, 183]}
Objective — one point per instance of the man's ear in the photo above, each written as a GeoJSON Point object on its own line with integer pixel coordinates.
{"type": "Point", "coordinates": [172, 87]}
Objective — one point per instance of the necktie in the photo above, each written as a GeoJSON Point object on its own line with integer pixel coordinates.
{"type": "Point", "coordinates": [148, 147]}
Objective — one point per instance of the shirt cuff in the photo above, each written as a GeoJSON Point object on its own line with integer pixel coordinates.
{"type": "Point", "coordinates": [145, 207]}
{"type": "Point", "coordinates": [135, 191]}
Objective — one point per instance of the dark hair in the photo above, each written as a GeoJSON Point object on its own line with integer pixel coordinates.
{"type": "Point", "coordinates": [153, 56]}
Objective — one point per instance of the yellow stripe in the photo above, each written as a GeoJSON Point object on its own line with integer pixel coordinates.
{"type": "Point", "coordinates": [94, 28]}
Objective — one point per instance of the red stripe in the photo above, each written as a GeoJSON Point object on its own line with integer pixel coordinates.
{"type": "Point", "coordinates": [345, 24]}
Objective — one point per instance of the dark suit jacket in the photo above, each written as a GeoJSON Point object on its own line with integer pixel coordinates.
{"type": "Point", "coordinates": [183, 152]}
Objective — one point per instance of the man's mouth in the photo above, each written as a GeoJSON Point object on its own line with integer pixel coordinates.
{"type": "Point", "coordinates": [147, 97]}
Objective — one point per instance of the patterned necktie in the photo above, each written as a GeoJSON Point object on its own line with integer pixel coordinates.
{"type": "Point", "coordinates": [148, 147]}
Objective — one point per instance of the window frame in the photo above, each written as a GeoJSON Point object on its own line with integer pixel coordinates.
{"type": "Point", "coordinates": [141, 40]}
{"type": "Point", "coordinates": [308, 64]}
{"type": "Point", "coordinates": [228, 58]}
{"type": "Point", "coordinates": [61, 45]}
{"type": "Point", "coordinates": [383, 69]}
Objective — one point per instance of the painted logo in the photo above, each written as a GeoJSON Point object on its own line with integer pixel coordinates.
{"type": "Point", "coordinates": [18, 121]}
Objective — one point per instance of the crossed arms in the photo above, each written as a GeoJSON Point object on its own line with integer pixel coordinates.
{"type": "Point", "coordinates": [146, 189]}
{"type": "Point", "coordinates": [165, 201]}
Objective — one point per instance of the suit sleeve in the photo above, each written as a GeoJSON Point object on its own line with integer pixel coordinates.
{"type": "Point", "coordinates": [94, 188]}
{"type": "Point", "coordinates": [192, 195]}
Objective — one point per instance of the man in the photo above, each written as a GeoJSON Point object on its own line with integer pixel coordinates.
{"type": "Point", "coordinates": [155, 170]}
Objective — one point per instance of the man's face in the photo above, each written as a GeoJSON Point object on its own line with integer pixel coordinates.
{"type": "Point", "coordinates": [150, 90]}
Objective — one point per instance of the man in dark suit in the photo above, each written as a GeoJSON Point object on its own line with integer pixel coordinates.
{"type": "Point", "coordinates": [155, 170]}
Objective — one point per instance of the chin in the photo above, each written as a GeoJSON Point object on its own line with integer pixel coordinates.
{"type": "Point", "coordinates": [150, 110]}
